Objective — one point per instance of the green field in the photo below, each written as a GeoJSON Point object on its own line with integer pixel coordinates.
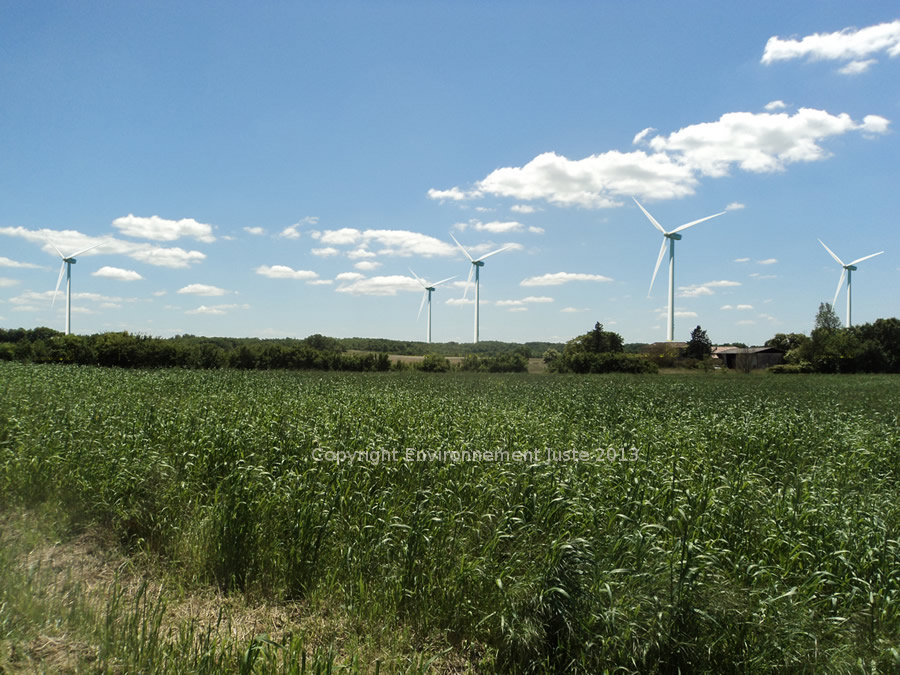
{"type": "Point", "coordinates": [719, 523]}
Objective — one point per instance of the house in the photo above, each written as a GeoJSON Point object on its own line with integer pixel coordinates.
{"type": "Point", "coordinates": [751, 358]}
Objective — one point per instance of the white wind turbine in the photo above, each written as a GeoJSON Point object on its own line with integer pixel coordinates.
{"type": "Point", "coordinates": [67, 262]}
{"type": "Point", "coordinates": [670, 238]}
{"type": "Point", "coordinates": [427, 294]}
{"type": "Point", "coordinates": [848, 269]}
{"type": "Point", "coordinates": [476, 264]}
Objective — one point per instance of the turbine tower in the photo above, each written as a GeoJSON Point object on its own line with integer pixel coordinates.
{"type": "Point", "coordinates": [476, 264]}
{"type": "Point", "coordinates": [669, 237]}
{"type": "Point", "coordinates": [427, 294]}
{"type": "Point", "coordinates": [848, 269]}
{"type": "Point", "coordinates": [67, 262]}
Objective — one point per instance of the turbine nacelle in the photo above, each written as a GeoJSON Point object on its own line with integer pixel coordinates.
{"type": "Point", "coordinates": [673, 235]}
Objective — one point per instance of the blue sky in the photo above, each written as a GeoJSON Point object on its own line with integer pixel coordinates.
{"type": "Point", "coordinates": [276, 169]}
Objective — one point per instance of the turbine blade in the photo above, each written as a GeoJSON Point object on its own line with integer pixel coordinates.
{"type": "Point", "coordinates": [469, 281]}
{"type": "Point", "coordinates": [421, 283]}
{"type": "Point", "coordinates": [662, 252]}
{"type": "Point", "coordinates": [421, 305]}
{"type": "Point", "coordinates": [471, 259]}
{"type": "Point", "coordinates": [55, 249]}
{"type": "Point", "coordinates": [62, 270]}
{"type": "Point", "coordinates": [838, 260]}
{"type": "Point", "coordinates": [694, 222]}
{"type": "Point", "coordinates": [492, 253]}
{"type": "Point", "coordinates": [444, 280]}
{"type": "Point", "coordinates": [85, 250]}
{"type": "Point", "coordinates": [840, 283]}
{"type": "Point", "coordinates": [859, 260]}
{"type": "Point", "coordinates": [652, 219]}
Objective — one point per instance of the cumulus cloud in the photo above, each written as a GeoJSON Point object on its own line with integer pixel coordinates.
{"type": "Point", "coordinates": [524, 301]}
{"type": "Point", "coordinates": [741, 260]}
{"type": "Point", "coordinates": [72, 240]}
{"type": "Point", "coordinates": [284, 272]}
{"type": "Point", "coordinates": [215, 310]}
{"type": "Point", "coordinates": [349, 276]}
{"type": "Point", "coordinates": [739, 308]}
{"type": "Point", "coordinates": [495, 227]}
{"type": "Point", "coordinates": [852, 45]}
{"type": "Point", "coordinates": [557, 278]}
{"type": "Point", "coordinates": [290, 232]}
{"type": "Point", "coordinates": [325, 252]}
{"type": "Point", "coordinates": [257, 231]}
{"type": "Point", "coordinates": [759, 142]}
{"type": "Point", "coordinates": [454, 194]}
{"type": "Point", "coordinates": [767, 261]}
{"type": "Point", "coordinates": [697, 290]}
{"type": "Point", "coordinates": [202, 289]}
{"type": "Point", "coordinates": [672, 165]}
{"type": "Point", "coordinates": [385, 285]}
{"type": "Point", "coordinates": [320, 282]}
{"type": "Point", "coordinates": [117, 273]}
{"type": "Point", "coordinates": [734, 206]}
{"type": "Point", "coordinates": [573, 310]}
{"type": "Point", "coordinates": [7, 262]}
{"type": "Point", "coordinates": [775, 105]}
{"type": "Point", "coordinates": [6, 283]}
{"type": "Point", "coordinates": [367, 265]}
{"type": "Point", "coordinates": [464, 301]}
{"type": "Point", "coordinates": [523, 208]}
{"type": "Point", "coordinates": [161, 229]}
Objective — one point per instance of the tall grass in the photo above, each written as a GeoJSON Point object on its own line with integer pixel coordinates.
{"type": "Point", "coordinates": [755, 529]}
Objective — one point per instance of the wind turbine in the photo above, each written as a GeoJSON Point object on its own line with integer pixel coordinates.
{"type": "Point", "coordinates": [476, 264]}
{"type": "Point", "coordinates": [67, 262]}
{"type": "Point", "coordinates": [848, 269]}
{"type": "Point", "coordinates": [428, 290]}
{"type": "Point", "coordinates": [670, 237]}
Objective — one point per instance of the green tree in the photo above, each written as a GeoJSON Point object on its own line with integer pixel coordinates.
{"type": "Point", "coordinates": [699, 346]}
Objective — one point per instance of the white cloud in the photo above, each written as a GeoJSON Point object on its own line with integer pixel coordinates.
{"type": "Point", "coordinates": [775, 105]}
{"type": "Point", "coordinates": [72, 240]}
{"type": "Point", "coordinates": [745, 322]}
{"type": "Point", "coordinates": [495, 227]}
{"type": "Point", "coordinates": [759, 142]}
{"type": "Point", "coordinates": [360, 252]}
{"type": "Point", "coordinates": [342, 237]}
{"type": "Point", "coordinates": [767, 261]}
{"type": "Point", "coordinates": [510, 303]}
{"type": "Point", "coordinates": [367, 265]}
{"type": "Point", "coordinates": [404, 243]}
{"type": "Point", "coordinates": [290, 232]}
{"type": "Point", "coordinates": [726, 307]}
{"type": "Point", "coordinates": [7, 262]}
{"type": "Point", "coordinates": [741, 260]}
{"type": "Point", "coordinates": [679, 313]}
{"type": "Point", "coordinates": [159, 294]}
{"type": "Point", "coordinates": [46, 297]}
{"type": "Point", "coordinates": [734, 206]}
{"type": "Point", "coordinates": [325, 252]}
{"type": "Point", "coordinates": [349, 276]}
{"type": "Point", "coordinates": [117, 273]}
{"type": "Point", "coordinates": [531, 299]}
{"type": "Point", "coordinates": [464, 301]}
{"type": "Point", "coordinates": [744, 307]}
{"type": "Point", "coordinates": [6, 283]}
{"type": "Point", "coordinates": [203, 309]}
{"type": "Point", "coordinates": [754, 142]}
{"type": "Point", "coordinates": [642, 135]}
{"type": "Point", "coordinates": [523, 208]}
{"type": "Point", "coordinates": [537, 299]}
{"type": "Point", "coordinates": [517, 309]}
{"type": "Point", "coordinates": [161, 229]}
{"type": "Point", "coordinates": [386, 285]}
{"type": "Point", "coordinates": [573, 310]}
{"type": "Point", "coordinates": [535, 230]}
{"type": "Point", "coordinates": [857, 67]}
{"type": "Point", "coordinates": [202, 289]}
{"type": "Point", "coordinates": [557, 278]}
{"type": "Point", "coordinates": [454, 194]}
{"type": "Point", "coordinates": [757, 275]}
{"type": "Point", "coordinates": [850, 44]}
{"type": "Point", "coordinates": [258, 231]}
{"type": "Point", "coordinates": [320, 282]}
{"type": "Point", "coordinates": [284, 272]}
{"type": "Point", "coordinates": [696, 290]}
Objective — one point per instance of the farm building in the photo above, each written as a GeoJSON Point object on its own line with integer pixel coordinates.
{"type": "Point", "coordinates": [752, 358]}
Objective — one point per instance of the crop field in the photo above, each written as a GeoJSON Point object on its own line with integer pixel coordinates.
{"type": "Point", "coordinates": [516, 523]}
